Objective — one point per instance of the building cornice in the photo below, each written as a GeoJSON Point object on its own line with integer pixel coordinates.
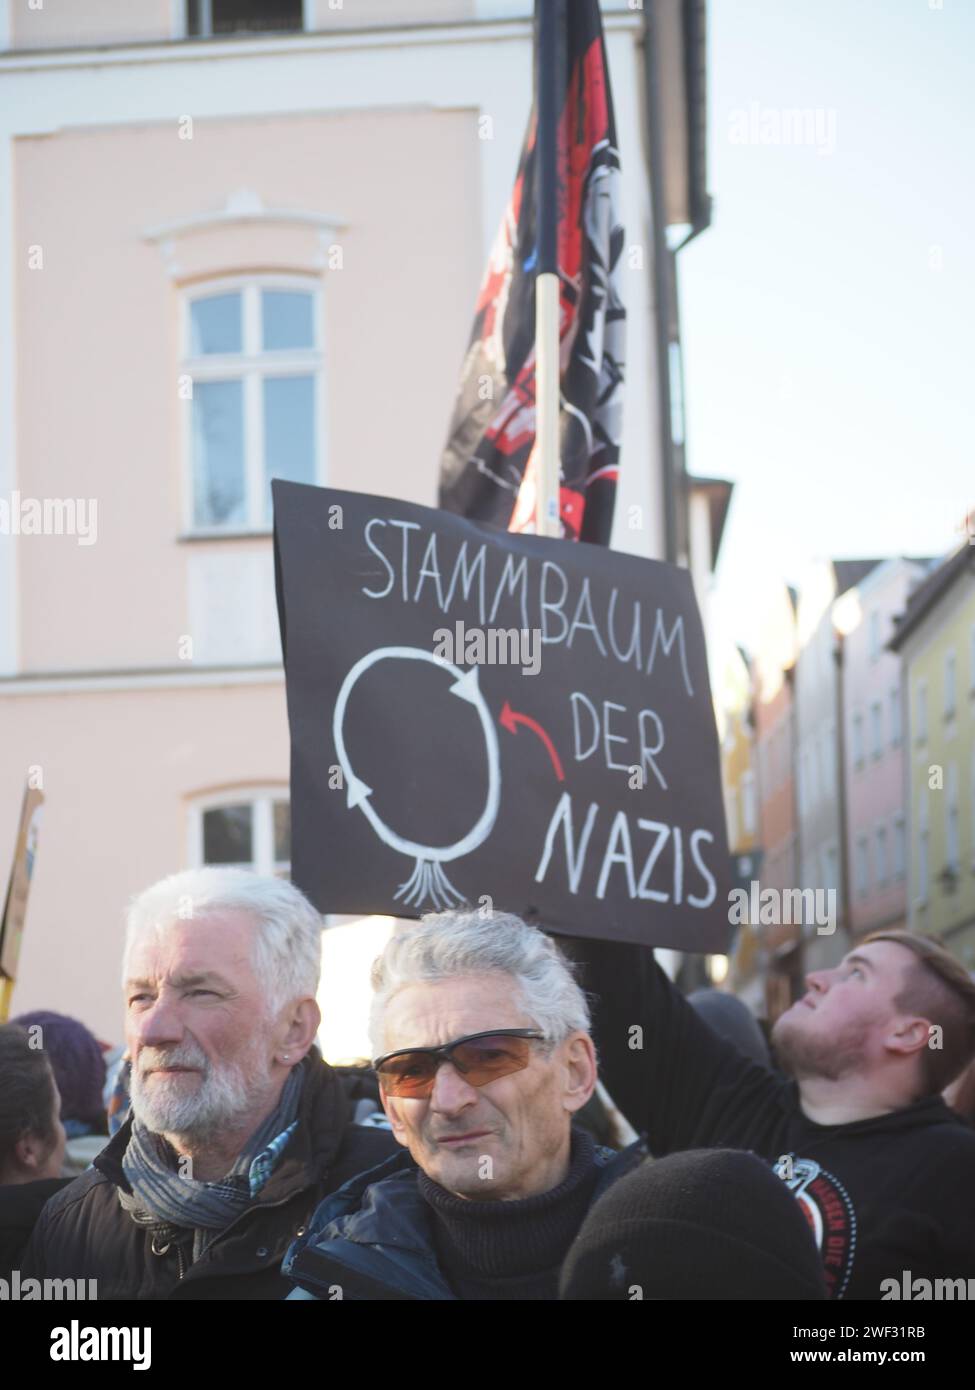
{"type": "Point", "coordinates": [242, 208]}
{"type": "Point", "coordinates": [146, 678]}
{"type": "Point", "coordinates": [932, 592]}
{"type": "Point", "coordinates": [210, 50]}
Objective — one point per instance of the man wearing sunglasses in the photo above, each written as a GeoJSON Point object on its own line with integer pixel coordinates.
{"type": "Point", "coordinates": [483, 1054]}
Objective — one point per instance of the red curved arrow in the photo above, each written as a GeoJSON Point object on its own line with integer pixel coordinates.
{"type": "Point", "coordinates": [510, 719]}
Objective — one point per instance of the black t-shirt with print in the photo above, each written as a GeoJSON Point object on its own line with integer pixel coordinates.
{"type": "Point", "coordinates": [886, 1196]}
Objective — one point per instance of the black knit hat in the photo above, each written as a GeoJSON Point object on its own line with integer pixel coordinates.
{"type": "Point", "coordinates": [733, 1021]}
{"type": "Point", "coordinates": [705, 1224]}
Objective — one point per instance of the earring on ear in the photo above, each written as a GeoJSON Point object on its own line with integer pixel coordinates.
{"type": "Point", "coordinates": [284, 1056]}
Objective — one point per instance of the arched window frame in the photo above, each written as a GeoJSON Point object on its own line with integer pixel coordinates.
{"type": "Point", "coordinates": [261, 798]}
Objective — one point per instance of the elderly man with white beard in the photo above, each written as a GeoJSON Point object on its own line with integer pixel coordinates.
{"type": "Point", "coordinates": [238, 1128]}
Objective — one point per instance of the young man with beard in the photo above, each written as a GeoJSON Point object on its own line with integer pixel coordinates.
{"type": "Point", "coordinates": [237, 1128]}
{"type": "Point", "coordinates": [883, 1169]}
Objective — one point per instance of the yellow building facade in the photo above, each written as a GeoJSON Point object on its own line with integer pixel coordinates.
{"type": "Point", "coordinates": [936, 639]}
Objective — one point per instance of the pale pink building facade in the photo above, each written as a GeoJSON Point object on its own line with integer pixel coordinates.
{"type": "Point", "coordinates": [874, 741]}
{"type": "Point", "coordinates": [222, 258]}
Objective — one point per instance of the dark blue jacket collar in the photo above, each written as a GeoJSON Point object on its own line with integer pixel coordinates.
{"type": "Point", "coordinates": [373, 1238]}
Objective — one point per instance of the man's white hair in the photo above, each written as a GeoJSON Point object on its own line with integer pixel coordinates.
{"type": "Point", "coordinates": [288, 940]}
{"type": "Point", "coordinates": [443, 945]}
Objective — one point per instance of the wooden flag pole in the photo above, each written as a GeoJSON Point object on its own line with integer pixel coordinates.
{"type": "Point", "coordinates": [549, 64]}
{"type": "Point", "coordinates": [548, 36]}
{"type": "Point", "coordinates": [15, 904]}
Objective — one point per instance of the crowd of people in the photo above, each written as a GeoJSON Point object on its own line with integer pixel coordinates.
{"type": "Point", "coordinates": [218, 1156]}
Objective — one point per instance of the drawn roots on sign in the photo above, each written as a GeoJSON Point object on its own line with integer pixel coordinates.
{"type": "Point", "coordinates": [428, 882]}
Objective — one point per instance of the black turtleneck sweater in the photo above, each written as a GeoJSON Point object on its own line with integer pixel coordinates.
{"type": "Point", "coordinates": [512, 1250]}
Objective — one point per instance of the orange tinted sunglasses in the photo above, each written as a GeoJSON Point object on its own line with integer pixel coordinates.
{"type": "Point", "coordinates": [410, 1072]}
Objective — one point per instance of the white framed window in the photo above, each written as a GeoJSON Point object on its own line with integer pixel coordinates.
{"type": "Point", "coordinates": [880, 855]}
{"type": "Point", "coordinates": [863, 867]}
{"type": "Point", "coordinates": [874, 636]}
{"type": "Point", "coordinates": [813, 770]}
{"type": "Point", "coordinates": [877, 728]}
{"type": "Point", "coordinates": [217, 18]}
{"type": "Point", "coordinates": [247, 828]}
{"type": "Point", "coordinates": [900, 846]}
{"type": "Point", "coordinates": [858, 740]}
{"type": "Point", "coordinates": [828, 746]}
{"type": "Point", "coordinates": [922, 848]}
{"type": "Point", "coordinates": [895, 716]}
{"type": "Point", "coordinates": [950, 685]}
{"type": "Point", "coordinates": [252, 351]}
{"type": "Point", "coordinates": [921, 711]}
{"type": "Point", "coordinates": [951, 817]}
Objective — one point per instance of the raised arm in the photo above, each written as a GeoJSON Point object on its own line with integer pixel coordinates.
{"type": "Point", "coordinates": [672, 1076]}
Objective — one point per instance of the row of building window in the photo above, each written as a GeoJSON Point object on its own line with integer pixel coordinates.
{"type": "Point", "coordinates": [889, 857]}
{"type": "Point", "coordinates": [208, 18]}
{"type": "Point", "coordinates": [817, 768]}
{"type": "Point", "coordinates": [950, 692]}
{"type": "Point", "coordinates": [821, 868]}
{"type": "Point", "coordinates": [947, 797]}
{"type": "Point", "coordinates": [877, 728]}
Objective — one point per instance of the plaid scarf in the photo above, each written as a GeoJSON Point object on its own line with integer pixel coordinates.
{"type": "Point", "coordinates": [119, 1103]}
{"type": "Point", "coordinates": [161, 1197]}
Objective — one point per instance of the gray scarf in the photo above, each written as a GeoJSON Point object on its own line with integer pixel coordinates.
{"type": "Point", "coordinates": [161, 1197]}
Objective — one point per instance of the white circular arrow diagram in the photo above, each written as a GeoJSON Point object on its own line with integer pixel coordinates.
{"type": "Point", "coordinates": [428, 879]}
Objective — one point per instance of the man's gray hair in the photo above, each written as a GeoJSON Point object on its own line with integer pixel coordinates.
{"type": "Point", "coordinates": [443, 945]}
{"type": "Point", "coordinates": [288, 940]}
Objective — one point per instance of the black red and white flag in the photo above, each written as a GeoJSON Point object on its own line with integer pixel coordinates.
{"type": "Point", "coordinates": [489, 465]}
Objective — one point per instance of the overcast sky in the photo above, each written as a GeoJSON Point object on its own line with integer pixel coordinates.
{"type": "Point", "coordinates": [828, 314]}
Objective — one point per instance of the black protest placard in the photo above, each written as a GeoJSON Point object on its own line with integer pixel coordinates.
{"type": "Point", "coordinates": [477, 715]}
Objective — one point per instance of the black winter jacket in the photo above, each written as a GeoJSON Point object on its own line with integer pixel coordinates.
{"type": "Point", "coordinates": [84, 1232]}
{"type": "Point", "coordinates": [20, 1206]}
